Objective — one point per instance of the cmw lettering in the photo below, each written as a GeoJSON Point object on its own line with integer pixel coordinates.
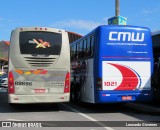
{"type": "Point", "coordinates": [126, 36]}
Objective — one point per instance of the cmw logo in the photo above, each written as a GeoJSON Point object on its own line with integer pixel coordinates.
{"type": "Point", "coordinates": [126, 36]}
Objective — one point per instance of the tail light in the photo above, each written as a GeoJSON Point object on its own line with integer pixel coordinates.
{"type": "Point", "coordinates": [99, 83]}
{"type": "Point", "coordinates": [67, 83]}
{"type": "Point", "coordinates": [11, 89]}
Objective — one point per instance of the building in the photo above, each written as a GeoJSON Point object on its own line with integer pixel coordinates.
{"type": "Point", "coordinates": [4, 47]}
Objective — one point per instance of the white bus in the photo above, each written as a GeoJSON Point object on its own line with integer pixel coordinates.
{"type": "Point", "coordinates": [39, 66]}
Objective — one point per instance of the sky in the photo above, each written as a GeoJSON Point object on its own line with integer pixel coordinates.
{"type": "Point", "coordinates": [79, 16]}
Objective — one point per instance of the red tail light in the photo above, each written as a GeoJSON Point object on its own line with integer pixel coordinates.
{"type": "Point", "coordinates": [67, 83]}
{"type": "Point", "coordinates": [11, 83]}
{"type": "Point", "coordinates": [99, 84]}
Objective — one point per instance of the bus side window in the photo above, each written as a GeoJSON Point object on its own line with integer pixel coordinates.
{"type": "Point", "coordinates": [71, 52]}
{"type": "Point", "coordinates": [75, 51]}
{"type": "Point", "coordinates": [84, 48]}
{"type": "Point", "coordinates": [78, 51]}
{"type": "Point", "coordinates": [81, 49]}
{"type": "Point", "coordinates": [88, 47]}
{"type": "Point", "coordinates": [92, 46]}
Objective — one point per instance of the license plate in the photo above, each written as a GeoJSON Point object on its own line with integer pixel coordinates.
{"type": "Point", "coordinates": [126, 97]}
{"type": "Point", "coordinates": [39, 90]}
{"type": "Point", "coordinates": [56, 90]}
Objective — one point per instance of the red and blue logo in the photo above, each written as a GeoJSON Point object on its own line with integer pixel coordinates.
{"type": "Point", "coordinates": [130, 78]}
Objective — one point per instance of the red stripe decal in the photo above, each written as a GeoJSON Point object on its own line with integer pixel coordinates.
{"type": "Point", "coordinates": [129, 78]}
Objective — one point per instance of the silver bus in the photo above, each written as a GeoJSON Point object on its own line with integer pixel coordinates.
{"type": "Point", "coordinates": [39, 66]}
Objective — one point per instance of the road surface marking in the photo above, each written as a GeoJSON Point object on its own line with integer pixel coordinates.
{"type": "Point", "coordinates": [88, 117]}
{"type": "Point", "coordinates": [14, 120]}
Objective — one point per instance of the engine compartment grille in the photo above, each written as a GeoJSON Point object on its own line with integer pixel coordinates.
{"type": "Point", "coordinates": [40, 62]}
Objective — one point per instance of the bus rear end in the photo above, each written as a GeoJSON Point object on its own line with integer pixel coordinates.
{"type": "Point", "coordinates": [124, 63]}
{"type": "Point", "coordinates": [39, 66]}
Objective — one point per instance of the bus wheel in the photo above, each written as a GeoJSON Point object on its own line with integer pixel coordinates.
{"type": "Point", "coordinates": [75, 96]}
{"type": "Point", "coordinates": [12, 105]}
{"type": "Point", "coordinates": [73, 99]}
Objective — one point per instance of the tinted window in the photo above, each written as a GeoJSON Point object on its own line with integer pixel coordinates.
{"type": "Point", "coordinates": [75, 51]}
{"type": "Point", "coordinates": [84, 48]}
{"type": "Point", "coordinates": [72, 51]}
{"type": "Point", "coordinates": [78, 50]}
{"type": "Point", "coordinates": [81, 50]}
{"type": "Point", "coordinates": [92, 46]}
{"type": "Point", "coordinates": [88, 46]}
{"type": "Point", "coordinates": [41, 43]}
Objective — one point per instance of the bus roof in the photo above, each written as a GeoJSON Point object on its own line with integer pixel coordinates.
{"type": "Point", "coordinates": [110, 26]}
{"type": "Point", "coordinates": [39, 29]}
{"type": "Point", "coordinates": [155, 32]}
{"type": "Point", "coordinates": [72, 35]}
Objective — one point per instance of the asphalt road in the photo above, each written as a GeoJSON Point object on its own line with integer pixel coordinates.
{"type": "Point", "coordinates": [69, 116]}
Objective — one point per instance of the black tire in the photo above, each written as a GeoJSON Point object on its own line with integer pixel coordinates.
{"type": "Point", "coordinates": [75, 94]}
{"type": "Point", "coordinates": [78, 96]}
{"type": "Point", "coordinates": [72, 96]}
{"type": "Point", "coordinates": [12, 104]}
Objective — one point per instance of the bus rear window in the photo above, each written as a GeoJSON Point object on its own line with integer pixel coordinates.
{"type": "Point", "coordinates": [40, 43]}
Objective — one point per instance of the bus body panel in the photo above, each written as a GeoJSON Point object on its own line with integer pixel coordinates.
{"type": "Point", "coordinates": [47, 81]}
{"type": "Point", "coordinates": [39, 75]}
{"type": "Point", "coordinates": [126, 75]}
{"type": "Point", "coordinates": [109, 96]}
{"type": "Point", "coordinates": [87, 88]}
{"type": "Point", "coordinates": [119, 44]}
{"type": "Point", "coordinates": [125, 64]}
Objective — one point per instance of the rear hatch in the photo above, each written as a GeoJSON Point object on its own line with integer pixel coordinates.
{"type": "Point", "coordinates": [125, 58]}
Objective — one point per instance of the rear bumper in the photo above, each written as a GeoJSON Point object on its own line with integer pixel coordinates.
{"type": "Point", "coordinates": [118, 96]}
{"type": "Point", "coordinates": [27, 99]}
